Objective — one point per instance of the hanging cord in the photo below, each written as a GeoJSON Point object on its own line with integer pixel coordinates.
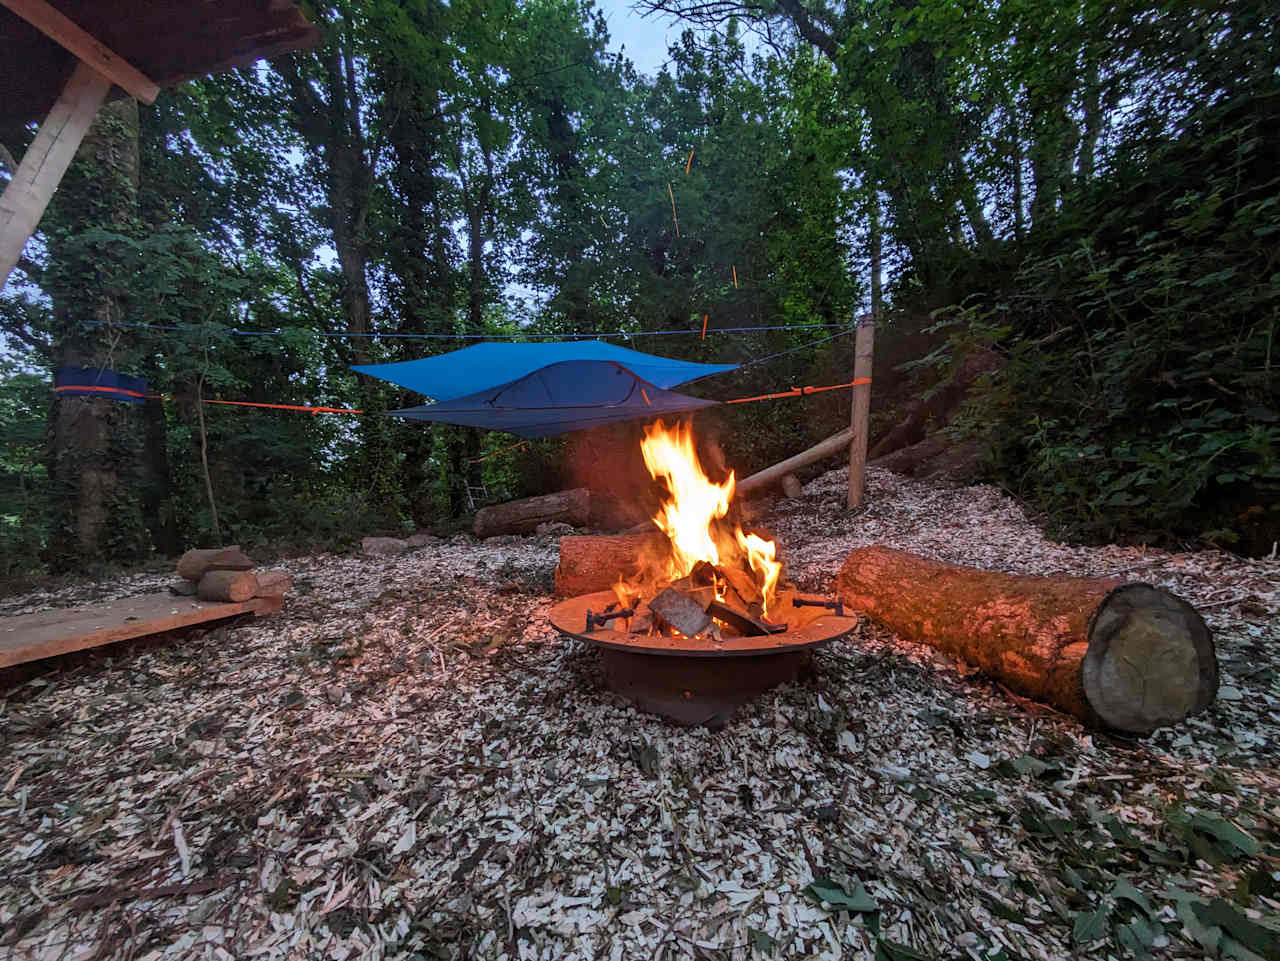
{"type": "Point", "coordinates": [625, 334]}
{"type": "Point", "coordinates": [791, 350]}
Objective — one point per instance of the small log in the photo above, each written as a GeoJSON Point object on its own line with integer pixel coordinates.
{"type": "Point", "coordinates": [836, 444]}
{"type": "Point", "coordinates": [1128, 656]}
{"type": "Point", "coordinates": [227, 586]}
{"type": "Point", "coordinates": [680, 611]}
{"type": "Point", "coordinates": [791, 486]}
{"type": "Point", "coordinates": [590, 563]}
{"type": "Point", "coordinates": [193, 565]}
{"type": "Point", "coordinates": [273, 583]}
{"type": "Point", "coordinates": [571, 507]}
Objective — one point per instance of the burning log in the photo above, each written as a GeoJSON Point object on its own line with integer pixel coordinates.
{"type": "Point", "coordinates": [681, 612]}
{"type": "Point", "coordinates": [523, 516]}
{"type": "Point", "coordinates": [1129, 656]}
{"type": "Point", "coordinates": [590, 563]}
{"type": "Point", "coordinates": [195, 563]}
{"type": "Point", "coordinates": [227, 586]}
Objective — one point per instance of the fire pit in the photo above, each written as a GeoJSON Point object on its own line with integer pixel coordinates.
{"type": "Point", "coordinates": [701, 620]}
{"type": "Point", "coordinates": [698, 680]}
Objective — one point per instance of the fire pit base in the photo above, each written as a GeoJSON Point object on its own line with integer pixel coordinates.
{"type": "Point", "coordinates": [697, 690]}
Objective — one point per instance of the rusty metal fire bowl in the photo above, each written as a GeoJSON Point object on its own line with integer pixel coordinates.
{"type": "Point", "coordinates": [695, 680]}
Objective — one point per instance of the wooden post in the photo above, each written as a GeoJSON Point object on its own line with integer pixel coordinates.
{"type": "Point", "coordinates": [858, 419]}
{"type": "Point", "coordinates": [27, 195]}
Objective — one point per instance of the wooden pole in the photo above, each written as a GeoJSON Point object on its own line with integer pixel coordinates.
{"type": "Point", "coordinates": [858, 419]}
{"type": "Point", "coordinates": [27, 195]}
{"type": "Point", "coordinates": [773, 475]}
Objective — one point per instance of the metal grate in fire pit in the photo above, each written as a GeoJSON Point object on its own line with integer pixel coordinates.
{"type": "Point", "coordinates": [698, 680]}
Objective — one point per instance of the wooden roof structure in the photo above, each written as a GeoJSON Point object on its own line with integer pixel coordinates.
{"type": "Point", "coordinates": [61, 59]}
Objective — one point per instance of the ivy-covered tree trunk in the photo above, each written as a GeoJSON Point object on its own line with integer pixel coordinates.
{"type": "Point", "coordinates": [94, 444]}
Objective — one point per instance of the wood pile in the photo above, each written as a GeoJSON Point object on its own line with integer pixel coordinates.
{"type": "Point", "coordinates": [226, 574]}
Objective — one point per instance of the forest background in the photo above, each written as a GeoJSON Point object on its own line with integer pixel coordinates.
{"type": "Point", "coordinates": [1087, 191]}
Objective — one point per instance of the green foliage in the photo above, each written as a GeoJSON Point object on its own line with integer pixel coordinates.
{"type": "Point", "coordinates": [1140, 396]}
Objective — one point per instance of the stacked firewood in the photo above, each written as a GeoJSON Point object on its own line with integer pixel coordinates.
{"type": "Point", "coordinates": [226, 574]}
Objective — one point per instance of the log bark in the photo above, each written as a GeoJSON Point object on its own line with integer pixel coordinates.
{"type": "Point", "coordinates": [194, 564]}
{"type": "Point", "coordinates": [594, 563]}
{"type": "Point", "coordinates": [1127, 656]}
{"type": "Point", "coordinates": [523, 516]}
{"type": "Point", "coordinates": [227, 586]}
{"type": "Point", "coordinates": [273, 583]}
{"type": "Point", "coordinates": [836, 444]}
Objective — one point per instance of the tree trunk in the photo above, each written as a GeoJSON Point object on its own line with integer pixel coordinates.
{"type": "Point", "coordinates": [523, 516]}
{"type": "Point", "coordinates": [1129, 656]}
{"type": "Point", "coordinates": [94, 450]}
{"type": "Point", "coordinates": [595, 563]}
{"type": "Point", "coordinates": [939, 407]}
{"type": "Point", "coordinates": [227, 586]}
{"type": "Point", "coordinates": [157, 499]}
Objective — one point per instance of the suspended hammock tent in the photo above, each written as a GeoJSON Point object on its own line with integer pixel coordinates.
{"type": "Point", "coordinates": [538, 390]}
{"type": "Point", "coordinates": [482, 366]}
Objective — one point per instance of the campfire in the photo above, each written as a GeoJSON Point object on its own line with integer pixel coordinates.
{"type": "Point", "coordinates": [697, 588]}
{"type": "Point", "coordinates": [707, 578]}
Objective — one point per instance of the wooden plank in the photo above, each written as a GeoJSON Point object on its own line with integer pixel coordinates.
{"type": "Point", "coordinates": [71, 37]}
{"type": "Point", "coordinates": [859, 416]}
{"type": "Point", "coordinates": [30, 637]}
{"type": "Point", "coordinates": [46, 160]}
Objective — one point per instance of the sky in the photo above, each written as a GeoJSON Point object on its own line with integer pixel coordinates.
{"type": "Point", "coordinates": [644, 40]}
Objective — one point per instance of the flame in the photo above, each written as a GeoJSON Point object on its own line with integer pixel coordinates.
{"type": "Point", "coordinates": [694, 501]}
{"type": "Point", "coordinates": [688, 517]}
{"type": "Point", "coordinates": [761, 555]}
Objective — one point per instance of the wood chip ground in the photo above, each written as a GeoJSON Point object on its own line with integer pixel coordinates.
{"type": "Point", "coordinates": [409, 763]}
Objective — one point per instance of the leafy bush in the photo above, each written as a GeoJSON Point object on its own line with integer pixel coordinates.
{"type": "Point", "coordinates": [1140, 398]}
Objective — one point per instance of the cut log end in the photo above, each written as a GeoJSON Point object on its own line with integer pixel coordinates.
{"type": "Point", "coordinates": [1150, 661]}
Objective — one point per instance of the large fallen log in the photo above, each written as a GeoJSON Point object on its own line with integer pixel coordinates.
{"type": "Point", "coordinates": [195, 563]}
{"type": "Point", "coordinates": [594, 563]}
{"type": "Point", "coordinates": [1128, 656]}
{"type": "Point", "coordinates": [571, 507]}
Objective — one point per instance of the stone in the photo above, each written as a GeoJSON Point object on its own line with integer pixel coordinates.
{"type": "Point", "coordinates": [383, 545]}
{"type": "Point", "coordinates": [422, 540]}
{"type": "Point", "coordinates": [555, 529]}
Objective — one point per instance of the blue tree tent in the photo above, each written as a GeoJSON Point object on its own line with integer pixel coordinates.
{"type": "Point", "coordinates": [536, 390]}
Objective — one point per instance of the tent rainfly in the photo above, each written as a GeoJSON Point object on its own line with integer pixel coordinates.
{"type": "Point", "coordinates": [537, 390]}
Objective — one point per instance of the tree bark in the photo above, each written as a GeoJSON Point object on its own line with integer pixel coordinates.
{"type": "Point", "coordinates": [94, 449]}
{"type": "Point", "coordinates": [523, 516]}
{"type": "Point", "coordinates": [1128, 656]}
{"type": "Point", "coordinates": [590, 563]}
{"type": "Point", "coordinates": [227, 586]}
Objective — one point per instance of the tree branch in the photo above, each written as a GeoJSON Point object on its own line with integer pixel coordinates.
{"type": "Point", "coordinates": [41, 347]}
